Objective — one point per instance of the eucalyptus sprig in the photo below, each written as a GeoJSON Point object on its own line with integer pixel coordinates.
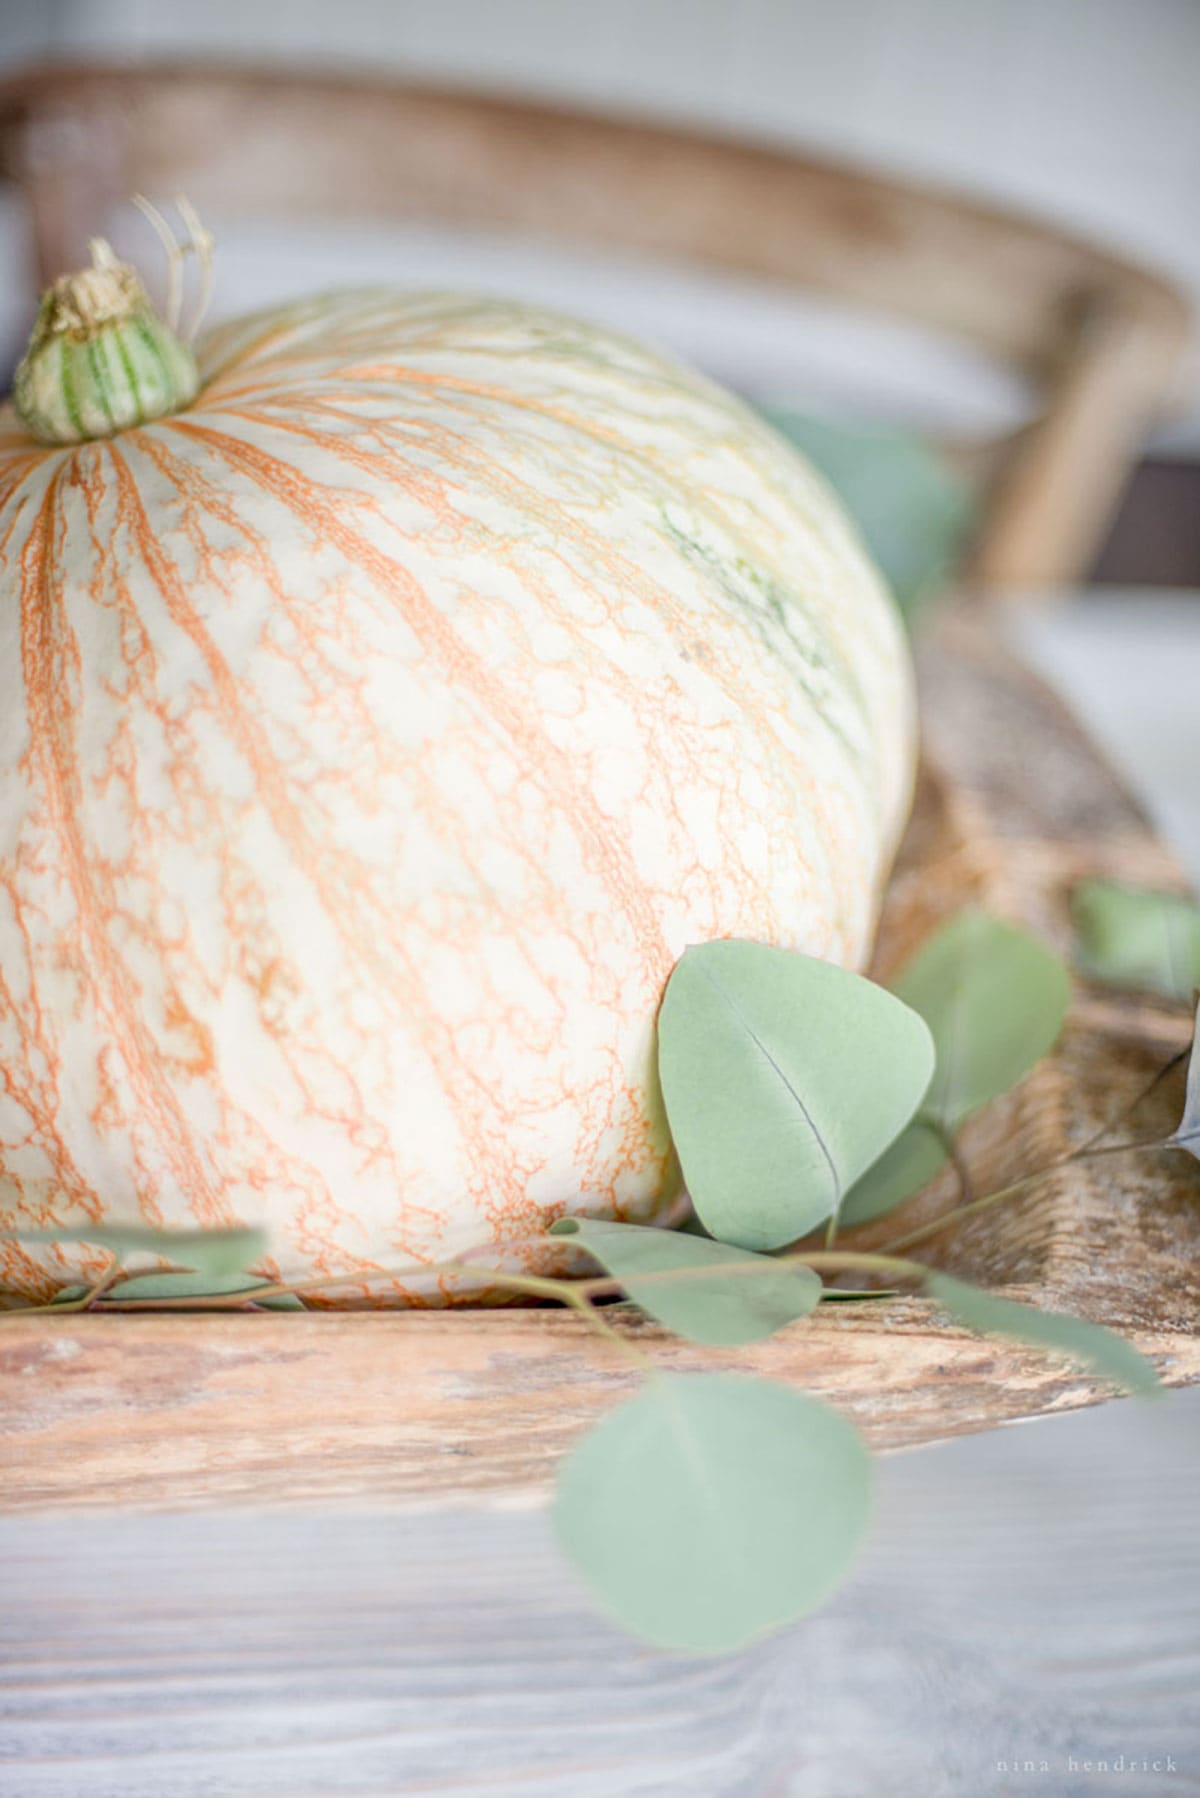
{"type": "Point", "coordinates": [204, 1264]}
{"type": "Point", "coordinates": [713, 1506]}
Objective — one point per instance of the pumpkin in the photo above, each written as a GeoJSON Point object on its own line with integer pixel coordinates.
{"type": "Point", "coordinates": [375, 734]}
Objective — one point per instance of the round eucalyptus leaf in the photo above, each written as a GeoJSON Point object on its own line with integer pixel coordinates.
{"type": "Point", "coordinates": [784, 1079]}
{"type": "Point", "coordinates": [183, 1286]}
{"type": "Point", "coordinates": [714, 1507]}
{"type": "Point", "coordinates": [995, 999]}
{"type": "Point", "coordinates": [1087, 1344]}
{"type": "Point", "coordinates": [911, 1162]}
{"type": "Point", "coordinates": [212, 1252]}
{"type": "Point", "coordinates": [704, 1290]}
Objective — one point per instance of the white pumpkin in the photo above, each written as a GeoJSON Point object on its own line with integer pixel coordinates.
{"type": "Point", "coordinates": [374, 736]}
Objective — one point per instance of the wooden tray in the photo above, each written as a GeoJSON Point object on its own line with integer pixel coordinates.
{"type": "Point", "coordinates": [1014, 807]}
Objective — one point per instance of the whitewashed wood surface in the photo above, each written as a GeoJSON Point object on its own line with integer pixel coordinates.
{"type": "Point", "coordinates": [1032, 1595]}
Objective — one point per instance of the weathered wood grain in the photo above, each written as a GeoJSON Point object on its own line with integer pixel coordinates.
{"type": "Point", "coordinates": [277, 1409]}
{"type": "Point", "coordinates": [144, 1412]}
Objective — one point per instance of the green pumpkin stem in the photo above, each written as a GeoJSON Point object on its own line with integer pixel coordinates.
{"type": "Point", "coordinates": [100, 359]}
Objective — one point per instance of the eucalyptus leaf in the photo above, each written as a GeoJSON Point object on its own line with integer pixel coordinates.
{"type": "Point", "coordinates": [911, 1162]}
{"type": "Point", "coordinates": [784, 1079]}
{"type": "Point", "coordinates": [1076, 1340]}
{"type": "Point", "coordinates": [213, 1253]}
{"type": "Point", "coordinates": [995, 999]}
{"type": "Point", "coordinates": [200, 1286]}
{"type": "Point", "coordinates": [854, 1292]}
{"type": "Point", "coordinates": [913, 510]}
{"type": "Point", "coordinates": [714, 1507]}
{"type": "Point", "coordinates": [1187, 1136]}
{"type": "Point", "coordinates": [704, 1290]}
{"type": "Point", "coordinates": [1130, 936]}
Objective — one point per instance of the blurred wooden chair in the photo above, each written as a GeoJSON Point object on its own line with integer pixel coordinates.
{"type": "Point", "coordinates": [1099, 338]}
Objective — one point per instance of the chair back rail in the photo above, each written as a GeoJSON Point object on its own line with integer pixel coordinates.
{"type": "Point", "coordinates": [1099, 337]}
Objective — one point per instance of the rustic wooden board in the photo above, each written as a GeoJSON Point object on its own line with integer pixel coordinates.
{"type": "Point", "coordinates": [1013, 808]}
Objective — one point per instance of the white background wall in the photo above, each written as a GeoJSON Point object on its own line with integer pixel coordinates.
{"type": "Point", "coordinates": [1083, 110]}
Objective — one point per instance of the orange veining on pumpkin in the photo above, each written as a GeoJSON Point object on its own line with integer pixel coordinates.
{"type": "Point", "coordinates": [377, 733]}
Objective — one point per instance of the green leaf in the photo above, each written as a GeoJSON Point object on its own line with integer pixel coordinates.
{"type": "Point", "coordinates": [1130, 936]}
{"type": "Point", "coordinates": [703, 1290]}
{"type": "Point", "coordinates": [995, 999]}
{"type": "Point", "coordinates": [1102, 1350]}
{"type": "Point", "coordinates": [784, 1078]}
{"type": "Point", "coordinates": [1187, 1136]}
{"type": "Point", "coordinates": [911, 1162]}
{"type": "Point", "coordinates": [713, 1507]}
{"type": "Point", "coordinates": [854, 1292]}
{"type": "Point", "coordinates": [200, 1286]}
{"type": "Point", "coordinates": [913, 510]}
{"type": "Point", "coordinates": [67, 1295]}
{"type": "Point", "coordinates": [214, 1253]}
{"type": "Point", "coordinates": [282, 1301]}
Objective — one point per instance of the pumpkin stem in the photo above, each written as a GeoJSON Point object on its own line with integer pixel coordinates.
{"type": "Point", "coordinates": [100, 358]}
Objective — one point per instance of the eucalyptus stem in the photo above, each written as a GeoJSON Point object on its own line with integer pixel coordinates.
{"type": "Point", "coordinates": [577, 1295]}
{"type": "Point", "coordinates": [1139, 1098]}
{"type": "Point", "coordinates": [1018, 1186]}
{"type": "Point", "coordinates": [954, 1155]}
{"type": "Point", "coordinates": [111, 1273]}
{"type": "Point", "coordinates": [580, 1302]}
{"type": "Point", "coordinates": [1115, 1148]}
{"type": "Point", "coordinates": [536, 1285]}
{"type": "Point", "coordinates": [571, 1293]}
{"type": "Point", "coordinates": [270, 1289]}
{"type": "Point", "coordinates": [819, 1260]}
{"type": "Point", "coordinates": [1092, 1148]}
{"type": "Point", "coordinates": [956, 1215]}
